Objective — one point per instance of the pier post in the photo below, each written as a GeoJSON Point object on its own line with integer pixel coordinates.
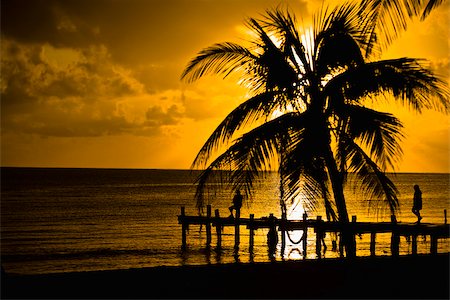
{"type": "Point", "coordinates": [433, 244]}
{"type": "Point", "coordinates": [395, 238]}
{"type": "Point", "coordinates": [252, 233]}
{"type": "Point", "coordinates": [283, 233]}
{"type": "Point", "coordinates": [183, 229]}
{"type": "Point", "coordinates": [414, 244]}
{"type": "Point", "coordinates": [305, 235]}
{"type": "Point", "coordinates": [353, 231]}
{"type": "Point", "coordinates": [208, 226]}
{"type": "Point", "coordinates": [373, 236]}
{"type": "Point", "coordinates": [341, 245]}
{"type": "Point", "coordinates": [319, 236]}
{"type": "Point", "coordinates": [236, 229]}
{"type": "Point", "coordinates": [218, 229]}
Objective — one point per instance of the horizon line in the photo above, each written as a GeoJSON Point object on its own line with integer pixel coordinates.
{"type": "Point", "coordinates": [181, 169]}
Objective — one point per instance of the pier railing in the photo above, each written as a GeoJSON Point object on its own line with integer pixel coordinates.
{"type": "Point", "coordinates": [412, 230]}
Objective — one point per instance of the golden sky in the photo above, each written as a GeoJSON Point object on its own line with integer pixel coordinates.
{"type": "Point", "coordinates": [95, 83]}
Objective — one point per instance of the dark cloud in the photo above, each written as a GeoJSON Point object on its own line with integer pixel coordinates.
{"type": "Point", "coordinates": [27, 75]}
{"type": "Point", "coordinates": [45, 21]}
{"type": "Point", "coordinates": [157, 117]}
{"type": "Point", "coordinates": [135, 31]}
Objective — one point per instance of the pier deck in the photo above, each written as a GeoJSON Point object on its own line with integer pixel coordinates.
{"type": "Point", "coordinates": [397, 229]}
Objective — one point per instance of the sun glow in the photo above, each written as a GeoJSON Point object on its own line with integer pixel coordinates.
{"type": "Point", "coordinates": [307, 39]}
{"type": "Point", "coordinates": [296, 208]}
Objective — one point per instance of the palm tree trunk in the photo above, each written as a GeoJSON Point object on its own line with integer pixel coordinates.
{"type": "Point", "coordinates": [337, 185]}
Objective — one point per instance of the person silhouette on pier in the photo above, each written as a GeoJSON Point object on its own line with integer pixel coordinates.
{"type": "Point", "coordinates": [237, 204]}
{"type": "Point", "coordinates": [417, 202]}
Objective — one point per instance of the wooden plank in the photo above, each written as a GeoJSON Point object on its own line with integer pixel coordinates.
{"type": "Point", "coordinates": [359, 227]}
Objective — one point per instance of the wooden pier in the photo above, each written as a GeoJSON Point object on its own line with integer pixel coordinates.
{"type": "Point", "coordinates": [410, 230]}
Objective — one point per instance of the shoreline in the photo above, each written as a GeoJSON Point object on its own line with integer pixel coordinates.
{"type": "Point", "coordinates": [421, 276]}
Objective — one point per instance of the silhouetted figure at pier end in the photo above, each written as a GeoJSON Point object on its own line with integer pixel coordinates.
{"type": "Point", "coordinates": [237, 204]}
{"type": "Point", "coordinates": [417, 202]}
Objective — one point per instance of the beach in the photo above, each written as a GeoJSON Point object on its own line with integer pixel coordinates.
{"type": "Point", "coordinates": [406, 277]}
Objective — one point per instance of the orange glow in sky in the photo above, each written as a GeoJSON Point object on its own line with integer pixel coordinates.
{"type": "Point", "coordinates": [97, 83]}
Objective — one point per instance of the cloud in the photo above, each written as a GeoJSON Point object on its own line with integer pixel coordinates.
{"type": "Point", "coordinates": [63, 92]}
{"type": "Point", "coordinates": [441, 67]}
{"type": "Point", "coordinates": [73, 95]}
{"type": "Point", "coordinates": [156, 116]}
{"type": "Point", "coordinates": [76, 68]}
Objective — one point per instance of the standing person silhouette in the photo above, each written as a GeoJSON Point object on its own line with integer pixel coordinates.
{"type": "Point", "coordinates": [417, 202]}
{"type": "Point", "coordinates": [237, 204]}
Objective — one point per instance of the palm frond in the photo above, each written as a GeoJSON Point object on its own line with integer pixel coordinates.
{"type": "Point", "coordinates": [390, 17]}
{"type": "Point", "coordinates": [255, 108]}
{"type": "Point", "coordinates": [344, 28]}
{"type": "Point", "coordinates": [404, 78]}
{"type": "Point", "coordinates": [303, 168]}
{"type": "Point", "coordinates": [221, 58]}
{"type": "Point", "coordinates": [380, 132]}
{"type": "Point", "coordinates": [279, 73]}
{"type": "Point", "coordinates": [252, 153]}
{"type": "Point", "coordinates": [432, 4]}
{"type": "Point", "coordinates": [374, 182]}
{"type": "Point", "coordinates": [284, 24]}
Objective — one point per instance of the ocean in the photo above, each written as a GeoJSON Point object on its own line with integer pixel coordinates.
{"type": "Point", "coordinates": [64, 220]}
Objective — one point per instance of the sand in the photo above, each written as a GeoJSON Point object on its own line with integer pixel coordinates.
{"type": "Point", "coordinates": [408, 277]}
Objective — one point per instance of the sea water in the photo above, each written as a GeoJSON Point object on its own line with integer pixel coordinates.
{"type": "Point", "coordinates": [64, 220]}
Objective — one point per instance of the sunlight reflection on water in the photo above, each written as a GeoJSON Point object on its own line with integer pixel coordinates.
{"type": "Point", "coordinates": [79, 220]}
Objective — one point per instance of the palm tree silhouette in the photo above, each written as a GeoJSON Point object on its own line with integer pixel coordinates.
{"type": "Point", "coordinates": [306, 116]}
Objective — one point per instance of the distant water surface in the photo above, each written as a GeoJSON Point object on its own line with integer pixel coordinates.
{"type": "Point", "coordinates": [62, 220]}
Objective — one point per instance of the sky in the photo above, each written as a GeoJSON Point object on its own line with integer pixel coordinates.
{"type": "Point", "coordinates": [96, 83]}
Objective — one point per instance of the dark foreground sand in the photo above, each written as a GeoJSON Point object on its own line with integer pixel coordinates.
{"type": "Point", "coordinates": [381, 277]}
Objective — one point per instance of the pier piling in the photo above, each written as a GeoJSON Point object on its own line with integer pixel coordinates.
{"type": "Point", "coordinates": [414, 244]}
{"type": "Point", "coordinates": [395, 238]}
{"type": "Point", "coordinates": [218, 229]}
{"type": "Point", "coordinates": [208, 226]}
{"type": "Point", "coordinates": [433, 244]}
{"type": "Point", "coordinates": [283, 232]}
{"type": "Point", "coordinates": [183, 229]}
{"type": "Point", "coordinates": [319, 237]}
{"type": "Point", "coordinates": [305, 235]}
{"type": "Point", "coordinates": [252, 233]}
{"type": "Point", "coordinates": [237, 229]}
{"type": "Point", "coordinates": [373, 237]}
